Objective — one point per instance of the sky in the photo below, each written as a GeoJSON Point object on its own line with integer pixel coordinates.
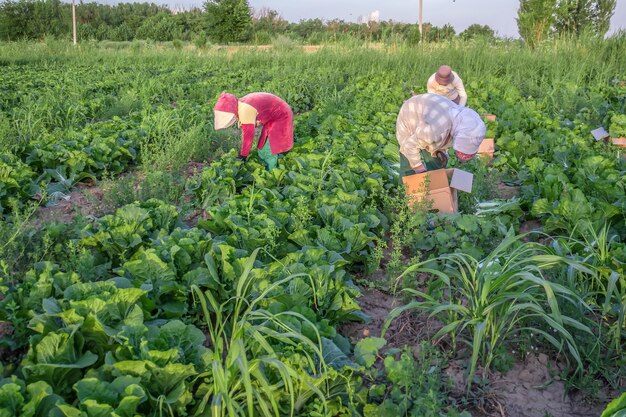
{"type": "Point", "coordinates": [499, 14]}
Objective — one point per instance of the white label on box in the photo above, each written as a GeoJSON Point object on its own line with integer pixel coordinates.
{"type": "Point", "coordinates": [600, 133]}
{"type": "Point", "coordinates": [462, 180]}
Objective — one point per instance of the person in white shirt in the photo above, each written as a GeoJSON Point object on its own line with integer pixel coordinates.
{"type": "Point", "coordinates": [428, 125]}
{"type": "Point", "coordinates": [447, 83]}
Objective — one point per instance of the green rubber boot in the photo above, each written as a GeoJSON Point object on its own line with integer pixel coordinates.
{"type": "Point", "coordinates": [266, 155]}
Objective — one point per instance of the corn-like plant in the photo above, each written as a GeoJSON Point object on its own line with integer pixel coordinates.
{"type": "Point", "coordinates": [599, 248]}
{"type": "Point", "coordinates": [482, 303]}
{"type": "Point", "coordinates": [246, 375]}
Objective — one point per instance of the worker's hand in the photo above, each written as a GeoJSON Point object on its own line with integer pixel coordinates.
{"type": "Point", "coordinates": [419, 169]}
{"type": "Point", "coordinates": [442, 156]}
{"type": "Point", "coordinates": [242, 158]}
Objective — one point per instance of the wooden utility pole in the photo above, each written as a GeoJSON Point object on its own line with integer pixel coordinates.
{"type": "Point", "coordinates": [74, 21]}
{"type": "Point", "coordinates": [421, 20]}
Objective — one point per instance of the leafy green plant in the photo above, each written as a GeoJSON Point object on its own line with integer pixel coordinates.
{"type": "Point", "coordinates": [246, 375]}
{"type": "Point", "coordinates": [602, 250]}
{"type": "Point", "coordinates": [618, 126]}
{"type": "Point", "coordinates": [485, 302]}
{"type": "Point", "coordinates": [411, 385]}
{"type": "Point", "coordinates": [616, 408]}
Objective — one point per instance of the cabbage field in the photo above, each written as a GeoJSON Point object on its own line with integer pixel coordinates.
{"type": "Point", "coordinates": [146, 271]}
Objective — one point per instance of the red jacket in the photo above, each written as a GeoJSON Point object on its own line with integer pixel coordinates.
{"type": "Point", "coordinates": [276, 117]}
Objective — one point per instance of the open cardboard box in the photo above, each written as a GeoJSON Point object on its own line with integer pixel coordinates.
{"type": "Point", "coordinates": [619, 142]}
{"type": "Point", "coordinates": [487, 148]}
{"type": "Point", "coordinates": [438, 189]}
{"type": "Point", "coordinates": [621, 145]}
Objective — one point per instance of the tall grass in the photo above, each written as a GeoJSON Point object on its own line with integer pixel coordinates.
{"type": "Point", "coordinates": [247, 376]}
{"type": "Point", "coordinates": [539, 72]}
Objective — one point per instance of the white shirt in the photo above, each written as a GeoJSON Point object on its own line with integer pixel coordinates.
{"type": "Point", "coordinates": [451, 91]}
{"type": "Point", "coordinates": [432, 122]}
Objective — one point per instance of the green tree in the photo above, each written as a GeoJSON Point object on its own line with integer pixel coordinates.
{"type": "Point", "coordinates": [413, 35]}
{"type": "Point", "coordinates": [603, 12]}
{"type": "Point", "coordinates": [160, 27]}
{"type": "Point", "coordinates": [478, 31]}
{"type": "Point", "coordinates": [535, 19]}
{"type": "Point", "coordinates": [228, 20]}
{"type": "Point", "coordinates": [30, 19]}
{"type": "Point", "coordinates": [575, 17]}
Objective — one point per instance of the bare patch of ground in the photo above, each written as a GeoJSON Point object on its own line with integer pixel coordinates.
{"type": "Point", "coordinates": [86, 199]}
{"type": "Point", "coordinates": [506, 192]}
{"type": "Point", "coordinates": [230, 50]}
{"type": "Point", "coordinates": [377, 305]}
{"type": "Point", "coordinates": [407, 329]}
{"type": "Point", "coordinates": [529, 226]}
{"type": "Point", "coordinates": [529, 389]}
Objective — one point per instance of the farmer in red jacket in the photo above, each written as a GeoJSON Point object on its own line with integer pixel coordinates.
{"type": "Point", "coordinates": [258, 109]}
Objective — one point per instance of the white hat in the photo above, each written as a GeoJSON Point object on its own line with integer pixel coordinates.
{"type": "Point", "coordinates": [469, 132]}
{"type": "Point", "coordinates": [467, 144]}
{"type": "Point", "coordinates": [224, 119]}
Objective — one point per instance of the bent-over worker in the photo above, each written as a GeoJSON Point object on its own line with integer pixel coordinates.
{"type": "Point", "coordinates": [258, 109]}
{"type": "Point", "coordinates": [447, 83]}
{"type": "Point", "coordinates": [429, 124]}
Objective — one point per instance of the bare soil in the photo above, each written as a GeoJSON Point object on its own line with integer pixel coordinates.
{"type": "Point", "coordinates": [530, 226]}
{"type": "Point", "coordinates": [506, 192]}
{"type": "Point", "coordinates": [230, 50]}
{"type": "Point", "coordinates": [86, 199]}
{"type": "Point", "coordinates": [530, 389]}
{"type": "Point", "coordinates": [377, 305]}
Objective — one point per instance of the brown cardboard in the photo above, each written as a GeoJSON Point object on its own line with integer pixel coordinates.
{"type": "Point", "coordinates": [438, 189]}
{"type": "Point", "coordinates": [620, 142]}
{"type": "Point", "coordinates": [487, 148]}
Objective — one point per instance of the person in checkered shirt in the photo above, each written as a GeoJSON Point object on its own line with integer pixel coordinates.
{"type": "Point", "coordinates": [428, 125]}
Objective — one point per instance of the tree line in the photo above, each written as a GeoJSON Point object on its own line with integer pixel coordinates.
{"type": "Point", "coordinates": [226, 21]}
{"type": "Point", "coordinates": [537, 20]}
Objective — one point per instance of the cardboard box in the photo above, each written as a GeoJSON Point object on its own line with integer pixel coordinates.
{"type": "Point", "coordinates": [489, 117]}
{"type": "Point", "coordinates": [487, 148]}
{"type": "Point", "coordinates": [620, 142]}
{"type": "Point", "coordinates": [438, 189]}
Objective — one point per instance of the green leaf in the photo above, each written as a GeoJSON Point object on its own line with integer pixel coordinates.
{"type": "Point", "coordinates": [616, 408]}
{"type": "Point", "coordinates": [334, 357]}
{"type": "Point", "coordinates": [11, 399]}
{"type": "Point", "coordinates": [367, 349]}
